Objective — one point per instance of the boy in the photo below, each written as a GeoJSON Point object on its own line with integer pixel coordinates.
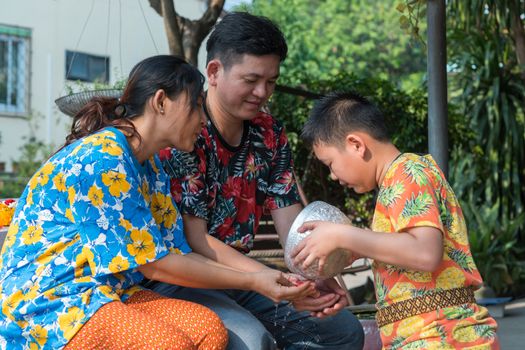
{"type": "Point", "coordinates": [423, 268]}
{"type": "Point", "coordinates": [242, 162]}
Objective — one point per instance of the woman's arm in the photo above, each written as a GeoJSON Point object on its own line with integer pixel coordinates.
{"type": "Point", "coordinates": [193, 271]}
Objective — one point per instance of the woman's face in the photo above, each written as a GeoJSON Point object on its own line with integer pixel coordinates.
{"type": "Point", "coordinates": [184, 124]}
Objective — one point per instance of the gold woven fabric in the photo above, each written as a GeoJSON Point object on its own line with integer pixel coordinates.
{"type": "Point", "coordinates": [424, 303]}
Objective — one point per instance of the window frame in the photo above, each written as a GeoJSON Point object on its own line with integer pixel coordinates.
{"type": "Point", "coordinates": [88, 75]}
{"type": "Point", "coordinates": [21, 36]}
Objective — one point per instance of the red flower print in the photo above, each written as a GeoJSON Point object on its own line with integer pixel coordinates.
{"type": "Point", "coordinates": [165, 154]}
{"type": "Point", "coordinates": [232, 187]}
{"type": "Point", "coordinates": [226, 229]}
{"type": "Point", "coordinates": [176, 190]}
{"type": "Point", "coordinates": [246, 202]}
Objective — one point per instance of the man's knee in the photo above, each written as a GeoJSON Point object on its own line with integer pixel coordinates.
{"type": "Point", "coordinates": [348, 329]}
{"type": "Point", "coordinates": [256, 338]}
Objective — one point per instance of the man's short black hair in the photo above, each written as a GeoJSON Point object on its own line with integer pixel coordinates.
{"type": "Point", "coordinates": [240, 33]}
{"type": "Point", "coordinates": [338, 114]}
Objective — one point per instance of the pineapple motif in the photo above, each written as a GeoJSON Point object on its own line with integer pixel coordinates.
{"type": "Point", "coordinates": [437, 345]}
{"type": "Point", "coordinates": [419, 276]}
{"type": "Point", "coordinates": [401, 291]}
{"type": "Point", "coordinates": [451, 277]}
{"type": "Point", "coordinates": [416, 172]}
{"type": "Point", "coordinates": [410, 326]}
{"type": "Point", "coordinates": [458, 231]}
{"type": "Point", "coordinates": [464, 332]}
{"type": "Point", "coordinates": [386, 330]}
{"type": "Point", "coordinates": [463, 259]}
{"type": "Point", "coordinates": [380, 223]}
{"type": "Point", "coordinates": [389, 195]}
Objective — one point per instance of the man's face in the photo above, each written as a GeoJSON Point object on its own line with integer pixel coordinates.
{"type": "Point", "coordinates": [244, 88]}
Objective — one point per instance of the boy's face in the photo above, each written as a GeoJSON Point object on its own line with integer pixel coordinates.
{"type": "Point", "coordinates": [246, 86]}
{"type": "Point", "coordinates": [347, 165]}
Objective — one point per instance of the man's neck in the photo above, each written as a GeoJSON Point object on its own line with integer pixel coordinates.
{"type": "Point", "coordinates": [229, 127]}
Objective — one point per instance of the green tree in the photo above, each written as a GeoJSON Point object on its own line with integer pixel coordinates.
{"type": "Point", "coordinates": [327, 38]}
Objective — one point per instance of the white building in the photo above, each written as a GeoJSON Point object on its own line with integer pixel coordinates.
{"type": "Point", "coordinates": [98, 39]}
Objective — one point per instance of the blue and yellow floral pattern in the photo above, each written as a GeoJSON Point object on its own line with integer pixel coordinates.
{"type": "Point", "coordinates": [87, 219]}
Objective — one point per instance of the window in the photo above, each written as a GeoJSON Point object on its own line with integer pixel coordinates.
{"type": "Point", "coordinates": [86, 67]}
{"type": "Point", "coordinates": [14, 53]}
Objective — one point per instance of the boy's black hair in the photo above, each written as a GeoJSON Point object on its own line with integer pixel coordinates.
{"type": "Point", "coordinates": [338, 114]}
{"type": "Point", "coordinates": [240, 33]}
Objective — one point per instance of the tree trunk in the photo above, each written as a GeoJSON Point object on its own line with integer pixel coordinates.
{"type": "Point", "coordinates": [185, 36]}
{"type": "Point", "coordinates": [518, 34]}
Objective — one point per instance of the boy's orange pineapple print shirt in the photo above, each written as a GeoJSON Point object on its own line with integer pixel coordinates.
{"type": "Point", "coordinates": [415, 193]}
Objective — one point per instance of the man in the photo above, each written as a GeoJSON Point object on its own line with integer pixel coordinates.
{"type": "Point", "coordinates": [242, 162]}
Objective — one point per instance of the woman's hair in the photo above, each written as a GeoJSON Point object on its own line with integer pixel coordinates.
{"type": "Point", "coordinates": [163, 72]}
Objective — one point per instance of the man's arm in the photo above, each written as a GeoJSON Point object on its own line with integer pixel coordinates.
{"type": "Point", "coordinates": [283, 219]}
{"type": "Point", "coordinates": [201, 242]}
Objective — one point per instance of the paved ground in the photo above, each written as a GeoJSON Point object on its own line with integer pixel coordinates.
{"type": "Point", "coordinates": [511, 327]}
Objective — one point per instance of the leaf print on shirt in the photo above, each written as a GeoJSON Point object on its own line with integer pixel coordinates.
{"type": "Point", "coordinates": [32, 234]}
{"type": "Point", "coordinates": [96, 196]}
{"type": "Point", "coordinates": [388, 196]}
{"type": "Point", "coordinates": [116, 182]}
{"type": "Point", "coordinates": [142, 247]}
{"type": "Point", "coordinates": [71, 321]}
{"type": "Point", "coordinates": [416, 172]}
{"type": "Point", "coordinates": [417, 205]}
{"type": "Point", "coordinates": [163, 209]}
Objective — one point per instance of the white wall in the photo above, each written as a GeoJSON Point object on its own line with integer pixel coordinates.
{"type": "Point", "coordinates": [56, 27]}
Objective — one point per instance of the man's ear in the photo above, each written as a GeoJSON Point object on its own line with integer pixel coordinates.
{"type": "Point", "coordinates": [212, 71]}
{"type": "Point", "coordinates": [356, 143]}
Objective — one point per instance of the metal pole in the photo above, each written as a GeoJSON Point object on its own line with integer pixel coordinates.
{"type": "Point", "coordinates": [437, 83]}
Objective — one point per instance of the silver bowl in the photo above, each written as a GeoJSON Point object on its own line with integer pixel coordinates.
{"type": "Point", "coordinates": [337, 261]}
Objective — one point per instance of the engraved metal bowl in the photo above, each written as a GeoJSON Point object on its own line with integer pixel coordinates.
{"type": "Point", "coordinates": [337, 261]}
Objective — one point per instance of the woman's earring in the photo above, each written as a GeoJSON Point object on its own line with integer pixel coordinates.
{"type": "Point", "coordinates": [161, 110]}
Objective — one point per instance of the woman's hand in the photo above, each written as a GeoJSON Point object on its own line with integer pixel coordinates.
{"type": "Point", "coordinates": [324, 239]}
{"type": "Point", "coordinates": [278, 286]}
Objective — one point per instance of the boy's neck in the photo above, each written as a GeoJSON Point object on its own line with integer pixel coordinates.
{"type": "Point", "coordinates": [389, 153]}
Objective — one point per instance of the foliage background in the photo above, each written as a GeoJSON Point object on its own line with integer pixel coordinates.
{"type": "Point", "coordinates": [377, 48]}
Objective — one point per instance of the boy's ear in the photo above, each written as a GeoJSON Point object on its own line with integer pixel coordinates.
{"type": "Point", "coordinates": [356, 143]}
{"type": "Point", "coordinates": [212, 71]}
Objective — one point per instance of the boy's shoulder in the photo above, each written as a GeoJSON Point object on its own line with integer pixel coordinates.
{"type": "Point", "coordinates": [415, 166]}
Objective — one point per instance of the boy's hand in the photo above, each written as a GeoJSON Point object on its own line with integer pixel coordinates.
{"type": "Point", "coordinates": [323, 240]}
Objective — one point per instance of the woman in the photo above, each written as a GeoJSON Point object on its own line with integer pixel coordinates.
{"type": "Point", "coordinates": [98, 217]}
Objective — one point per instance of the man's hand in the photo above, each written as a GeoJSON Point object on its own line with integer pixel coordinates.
{"type": "Point", "coordinates": [330, 300]}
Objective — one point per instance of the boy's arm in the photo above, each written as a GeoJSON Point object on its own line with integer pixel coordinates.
{"type": "Point", "coordinates": [417, 248]}
{"type": "Point", "coordinates": [201, 242]}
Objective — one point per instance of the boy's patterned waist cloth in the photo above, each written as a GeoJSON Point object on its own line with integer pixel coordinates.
{"type": "Point", "coordinates": [423, 304]}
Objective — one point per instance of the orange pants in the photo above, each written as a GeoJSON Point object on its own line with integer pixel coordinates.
{"type": "Point", "coordinates": [148, 320]}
